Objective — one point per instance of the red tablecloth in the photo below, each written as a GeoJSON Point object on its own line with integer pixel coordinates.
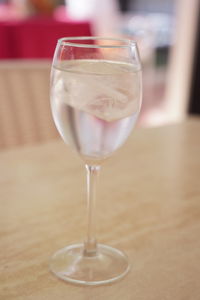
{"type": "Point", "coordinates": [37, 37]}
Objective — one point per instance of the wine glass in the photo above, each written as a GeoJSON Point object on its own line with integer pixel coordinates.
{"type": "Point", "coordinates": [95, 99]}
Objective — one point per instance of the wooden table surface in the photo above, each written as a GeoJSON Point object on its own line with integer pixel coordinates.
{"type": "Point", "coordinates": [148, 205]}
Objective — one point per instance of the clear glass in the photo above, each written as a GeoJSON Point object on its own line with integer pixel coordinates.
{"type": "Point", "coordinates": [96, 93]}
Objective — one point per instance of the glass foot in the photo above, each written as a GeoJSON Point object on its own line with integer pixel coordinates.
{"type": "Point", "coordinates": [71, 264]}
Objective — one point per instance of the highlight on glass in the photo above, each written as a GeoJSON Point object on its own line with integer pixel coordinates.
{"type": "Point", "coordinates": [96, 94]}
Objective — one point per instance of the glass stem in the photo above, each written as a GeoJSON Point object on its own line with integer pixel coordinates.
{"type": "Point", "coordinates": [90, 248]}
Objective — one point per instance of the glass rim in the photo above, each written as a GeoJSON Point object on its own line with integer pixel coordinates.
{"type": "Point", "coordinates": [65, 41]}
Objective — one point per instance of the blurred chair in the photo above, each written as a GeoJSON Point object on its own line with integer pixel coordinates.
{"type": "Point", "coordinates": [36, 37]}
{"type": "Point", "coordinates": [25, 116]}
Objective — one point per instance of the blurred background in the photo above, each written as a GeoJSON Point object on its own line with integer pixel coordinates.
{"type": "Point", "coordinates": [168, 35]}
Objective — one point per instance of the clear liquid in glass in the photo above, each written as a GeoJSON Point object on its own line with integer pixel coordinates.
{"type": "Point", "coordinates": [95, 104]}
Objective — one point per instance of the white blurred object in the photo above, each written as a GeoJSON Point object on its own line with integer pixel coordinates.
{"type": "Point", "coordinates": [81, 9]}
{"type": "Point", "coordinates": [106, 18]}
{"type": "Point", "coordinates": [104, 14]}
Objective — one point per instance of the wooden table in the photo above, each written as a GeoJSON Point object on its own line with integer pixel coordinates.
{"type": "Point", "coordinates": [149, 206]}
